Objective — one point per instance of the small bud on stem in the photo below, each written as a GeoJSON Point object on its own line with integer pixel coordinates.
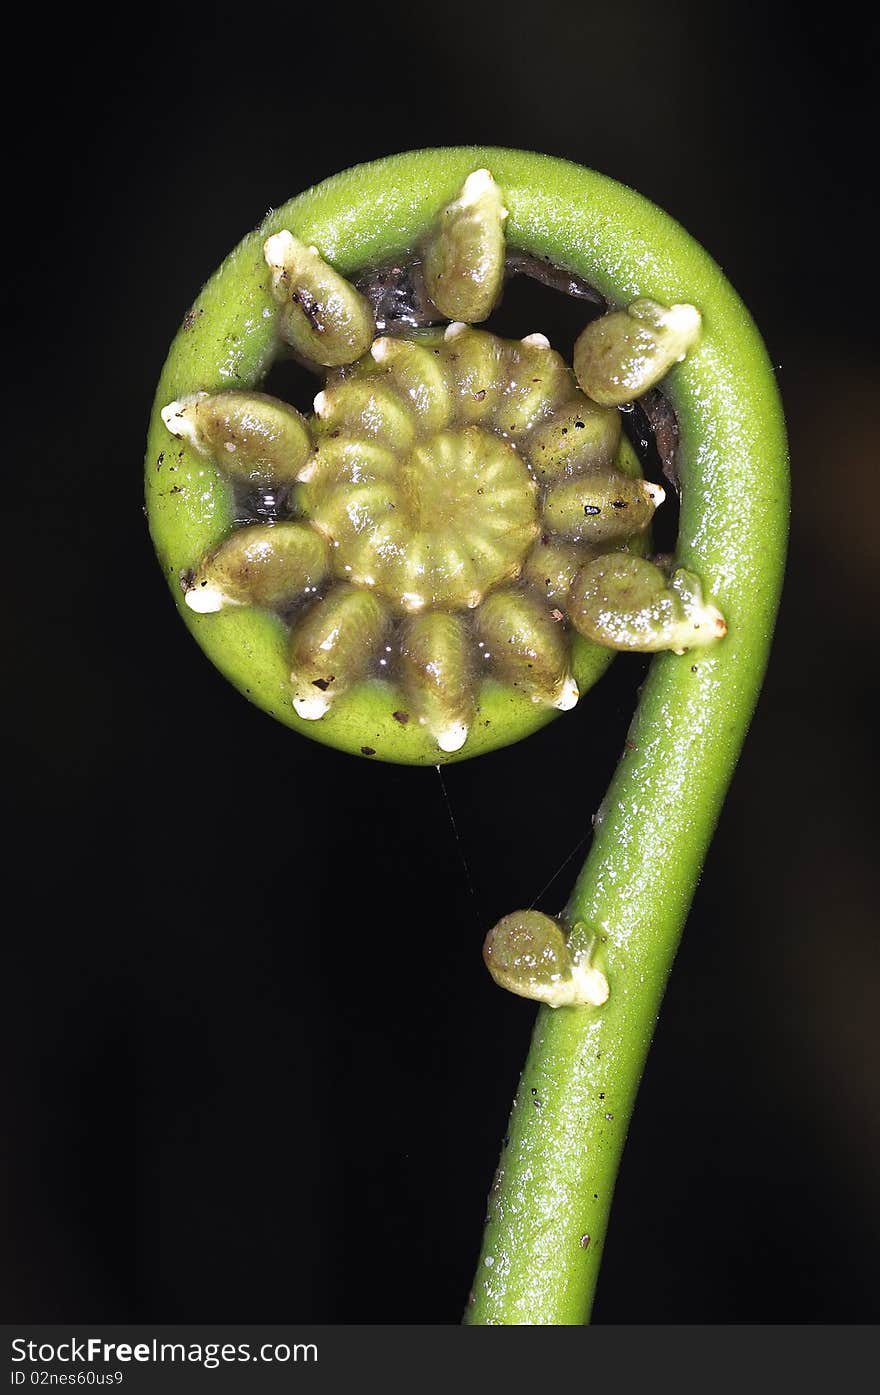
{"type": "Point", "coordinates": [527, 954]}
{"type": "Point", "coordinates": [323, 317]}
{"type": "Point", "coordinates": [625, 602]}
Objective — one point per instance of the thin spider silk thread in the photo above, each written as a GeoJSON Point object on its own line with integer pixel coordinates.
{"type": "Point", "coordinates": [459, 843]}
{"type": "Point", "coordinates": [471, 884]}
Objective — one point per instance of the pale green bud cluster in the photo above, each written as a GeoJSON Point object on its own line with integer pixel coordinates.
{"type": "Point", "coordinates": [457, 506]}
{"type": "Point", "coordinates": [528, 954]}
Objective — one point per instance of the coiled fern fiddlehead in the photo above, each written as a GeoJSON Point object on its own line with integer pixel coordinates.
{"type": "Point", "coordinates": [549, 1203]}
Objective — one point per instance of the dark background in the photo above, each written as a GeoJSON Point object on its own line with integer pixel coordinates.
{"type": "Point", "coordinates": [256, 1070]}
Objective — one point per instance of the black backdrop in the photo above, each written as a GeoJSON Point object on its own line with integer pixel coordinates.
{"type": "Point", "coordinates": [256, 1071]}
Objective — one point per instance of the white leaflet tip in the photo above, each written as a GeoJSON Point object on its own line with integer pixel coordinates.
{"type": "Point", "coordinates": [568, 697]}
{"type": "Point", "coordinates": [311, 705]}
{"type": "Point", "coordinates": [476, 185]}
{"type": "Point", "coordinates": [684, 319]}
{"type": "Point", "coordinates": [591, 986]}
{"type": "Point", "coordinates": [453, 737]}
{"type": "Point", "coordinates": [179, 419]}
{"type": "Point", "coordinates": [278, 248]}
{"type": "Point", "coordinates": [205, 600]}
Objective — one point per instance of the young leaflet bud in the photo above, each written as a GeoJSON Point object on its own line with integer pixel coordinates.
{"type": "Point", "coordinates": [625, 602]}
{"type": "Point", "coordinates": [366, 407]}
{"type": "Point", "coordinates": [333, 645]}
{"type": "Point", "coordinates": [536, 380]}
{"type": "Point", "coordinates": [268, 564]}
{"type": "Point", "coordinates": [323, 317]}
{"type": "Point", "coordinates": [527, 647]}
{"type": "Point", "coordinates": [437, 676]}
{"type": "Point", "coordinates": [249, 435]}
{"type": "Point", "coordinates": [601, 508]}
{"type": "Point", "coordinates": [343, 460]}
{"type": "Point", "coordinates": [474, 359]}
{"type": "Point", "coordinates": [416, 371]}
{"type": "Point", "coordinates": [551, 567]}
{"type": "Point", "coordinates": [343, 516]}
{"type": "Point", "coordinates": [527, 954]}
{"type": "Point", "coordinates": [580, 436]}
{"type": "Point", "coordinates": [464, 257]}
{"type": "Point", "coordinates": [621, 355]}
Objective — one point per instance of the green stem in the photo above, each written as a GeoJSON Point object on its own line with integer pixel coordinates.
{"type": "Point", "coordinates": [557, 1173]}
